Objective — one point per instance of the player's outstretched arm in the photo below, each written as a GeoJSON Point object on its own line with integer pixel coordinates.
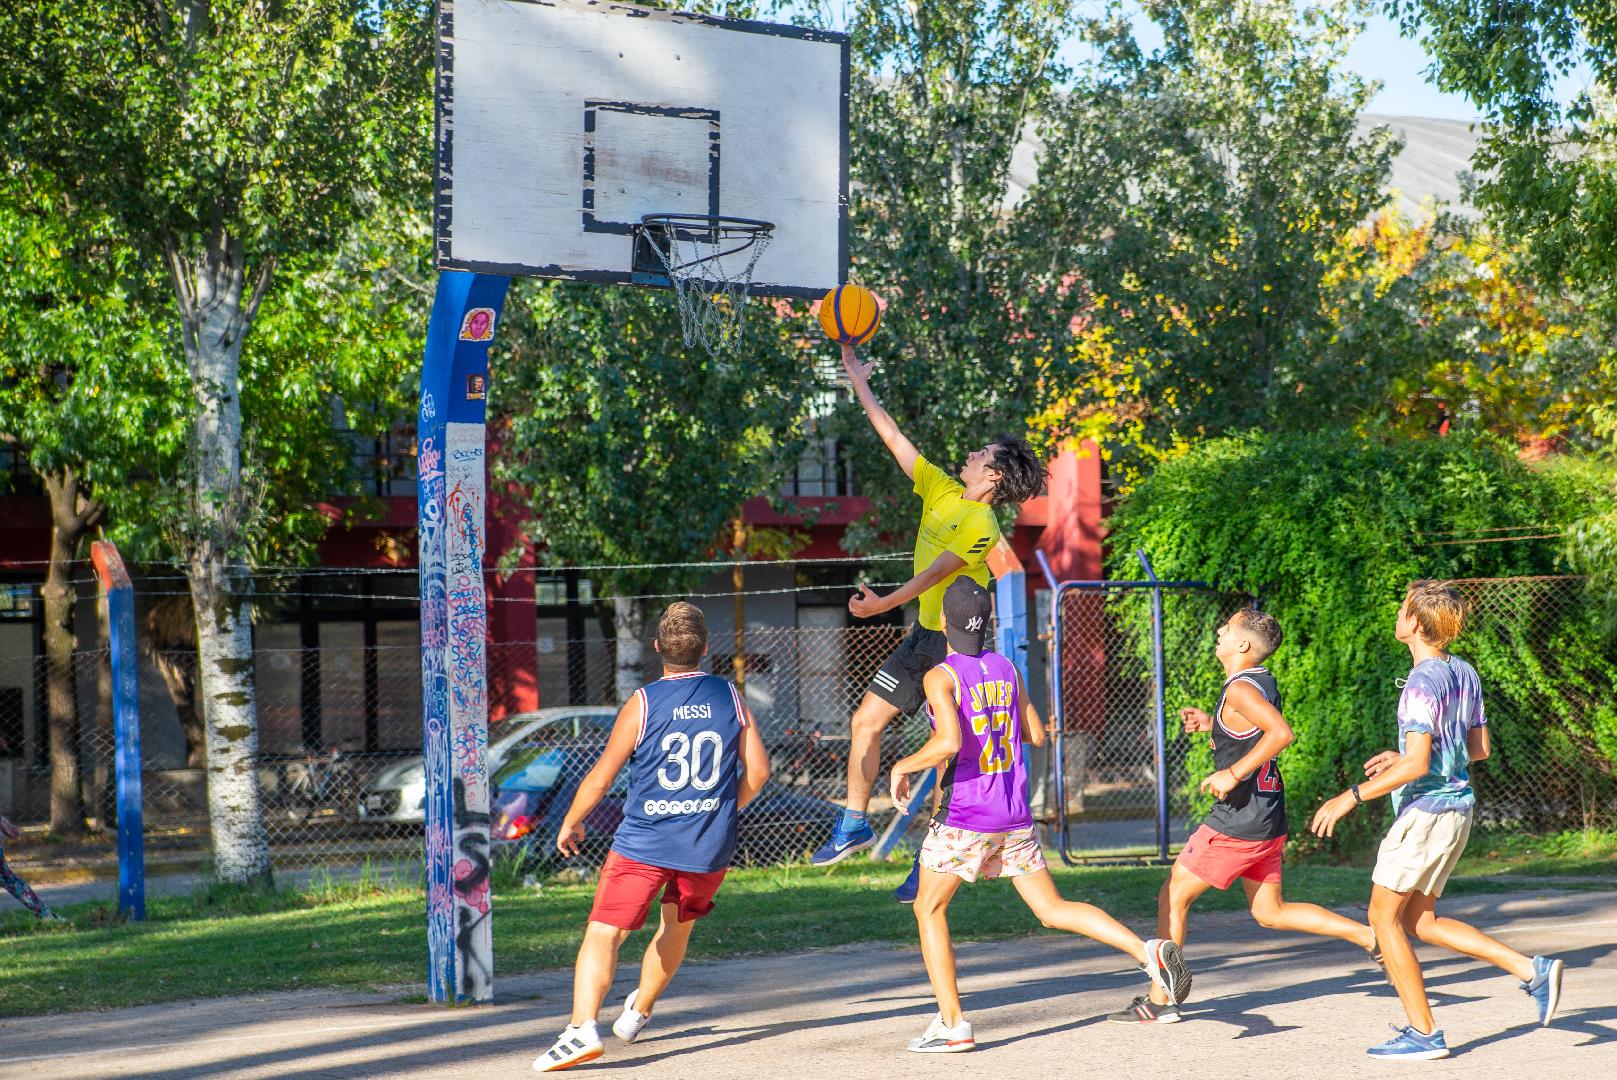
{"type": "Point", "coordinates": [1032, 724]}
{"type": "Point", "coordinates": [869, 603]}
{"type": "Point", "coordinates": [1245, 699]}
{"type": "Point", "coordinates": [592, 789]}
{"type": "Point", "coordinates": [859, 375]}
{"type": "Point", "coordinates": [754, 762]}
{"type": "Point", "coordinates": [1411, 765]}
{"type": "Point", "coordinates": [944, 742]}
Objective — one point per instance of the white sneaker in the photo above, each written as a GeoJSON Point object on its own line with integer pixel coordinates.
{"type": "Point", "coordinates": [1165, 963]}
{"type": "Point", "coordinates": [574, 1046]}
{"type": "Point", "coordinates": [939, 1038]}
{"type": "Point", "coordinates": [630, 1023]}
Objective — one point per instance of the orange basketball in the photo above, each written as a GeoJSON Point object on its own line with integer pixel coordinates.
{"type": "Point", "coordinates": [850, 314]}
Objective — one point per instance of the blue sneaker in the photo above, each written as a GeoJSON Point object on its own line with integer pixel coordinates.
{"type": "Point", "coordinates": [1545, 989]}
{"type": "Point", "coordinates": [1411, 1045]}
{"type": "Point", "coordinates": [846, 839]}
{"type": "Point", "coordinates": [905, 893]}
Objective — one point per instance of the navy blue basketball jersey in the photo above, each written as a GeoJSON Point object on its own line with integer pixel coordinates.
{"type": "Point", "coordinates": [680, 812]}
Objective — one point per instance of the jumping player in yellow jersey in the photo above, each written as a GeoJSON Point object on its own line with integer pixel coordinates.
{"type": "Point", "coordinates": [956, 532]}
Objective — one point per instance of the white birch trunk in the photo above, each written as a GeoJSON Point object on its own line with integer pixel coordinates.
{"type": "Point", "coordinates": [629, 621]}
{"type": "Point", "coordinates": [214, 318]}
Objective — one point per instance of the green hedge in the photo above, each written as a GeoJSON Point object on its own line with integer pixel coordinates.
{"type": "Point", "coordinates": [1326, 529]}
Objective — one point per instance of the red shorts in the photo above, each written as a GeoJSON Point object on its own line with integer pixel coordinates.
{"type": "Point", "coordinates": [627, 888]}
{"type": "Point", "coordinates": [1219, 860]}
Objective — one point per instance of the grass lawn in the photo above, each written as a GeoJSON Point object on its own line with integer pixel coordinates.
{"type": "Point", "coordinates": [362, 936]}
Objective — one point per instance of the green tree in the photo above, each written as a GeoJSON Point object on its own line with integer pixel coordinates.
{"type": "Point", "coordinates": [225, 138]}
{"type": "Point", "coordinates": [1327, 529]}
{"type": "Point", "coordinates": [633, 449]}
{"type": "Point", "coordinates": [1203, 189]}
{"type": "Point", "coordinates": [1548, 167]}
{"type": "Point", "coordinates": [91, 390]}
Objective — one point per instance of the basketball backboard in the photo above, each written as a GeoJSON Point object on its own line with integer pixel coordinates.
{"type": "Point", "coordinates": [562, 122]}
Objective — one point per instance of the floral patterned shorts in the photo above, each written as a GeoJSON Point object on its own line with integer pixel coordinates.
{"type": "Point", "coordinates": [972, 855]}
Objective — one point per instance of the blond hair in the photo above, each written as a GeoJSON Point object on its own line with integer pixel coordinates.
{"type": "Point", "coordinates": [682, 635]}
{"type": "Point", "coordinates": [1438, 611]}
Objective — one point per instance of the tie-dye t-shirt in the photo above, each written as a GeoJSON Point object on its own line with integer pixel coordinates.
{"type": "Point", "coordinates": [1442, 698]}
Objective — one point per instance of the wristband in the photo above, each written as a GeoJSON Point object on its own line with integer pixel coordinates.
{"type": "Point", "coordinates": [1356, 800]}
{"type": "Point", "coordinates": [1235, 775]}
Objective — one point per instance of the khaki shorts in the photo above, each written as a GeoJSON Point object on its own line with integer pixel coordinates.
{"type": "Point", "coordinates": [972, 855]}
{"type": "Point", "coordinates": [1421, 851]}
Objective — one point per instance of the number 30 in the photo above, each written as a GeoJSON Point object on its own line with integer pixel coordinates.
{"type": "Point", "coordinates": [685, 754]}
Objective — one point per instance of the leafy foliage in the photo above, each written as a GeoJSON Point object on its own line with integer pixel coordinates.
{"type": "Point", "coordinates": [629, 447]}
{"type": "Point", "coordinates": [1326, 529]}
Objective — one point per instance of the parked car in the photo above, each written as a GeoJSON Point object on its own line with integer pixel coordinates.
{"type": "Point", "coordinates": [535, 786]}
{"type": "Point", "coordinates": [399, 792]}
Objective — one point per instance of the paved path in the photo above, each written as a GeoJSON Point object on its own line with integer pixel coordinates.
{"type": "Point", "coordinates": [1266, 1006]}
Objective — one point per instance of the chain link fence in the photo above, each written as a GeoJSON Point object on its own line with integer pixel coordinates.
{"type": "Point", "coordinates": [1541, 645]}
{"type": "Point", "coordinates": [1109, 758]}
{"type": "Point", "coordinates": [1548, 662]}
{"type": "Point", "coordinates": [339, 763]}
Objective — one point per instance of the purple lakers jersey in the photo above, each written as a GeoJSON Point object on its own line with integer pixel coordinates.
{"type": "Point", "coordinates": [985, 786]}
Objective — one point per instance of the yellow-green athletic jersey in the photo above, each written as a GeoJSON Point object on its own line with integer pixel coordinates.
{"type": "Point", "coordinates": [949, 523]}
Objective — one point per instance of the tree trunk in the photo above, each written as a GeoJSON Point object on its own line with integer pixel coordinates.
{"type": "Point", "coordinates": [171, 636]}
{"type": "Point", "coordinates": [214, 318]}
{"type": "Point", "coordinates": [72, 515]}
{"type": "Point", "coordinates": [629, 625]}
{"type": "Point", "coordinates": [222, 595]}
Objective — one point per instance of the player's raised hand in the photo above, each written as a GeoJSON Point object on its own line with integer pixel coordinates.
{"type": "Point", "coordinates": [1195, 720]}
{"type": "Point", "coordinates": [1330, 812]}
{"type": "Point", "coordinates": [900, 785]}
{"type": "Point", "coordinates": [858, 371]}
{"type": "Point", "coordinates": [1380, 763]}
{"type": "Point", "coordinates": [865, 604]}
{"type": "Point", "coordinates": [1220, 783]}
{"type": "Point", "coordinates": [570, 839]}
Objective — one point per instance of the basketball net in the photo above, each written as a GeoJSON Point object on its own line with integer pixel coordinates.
{"type": "Point", "coordinates": [711, 270]}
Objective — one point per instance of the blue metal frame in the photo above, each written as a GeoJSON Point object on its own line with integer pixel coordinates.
{"type": "Point", "coordinates": [1159, 727]}
{"type": "Point", "coordinates": [454, 386]}
{"type": "Point", "coordinates": [125, 728]}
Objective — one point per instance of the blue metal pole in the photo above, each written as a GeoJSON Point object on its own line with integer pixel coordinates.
{"type": "Point", "coordinates": [450, 440]}
{"type": "Point", "coordinates": [125, 727]}
{"type": "Point", "coordinates": [1159, 733]}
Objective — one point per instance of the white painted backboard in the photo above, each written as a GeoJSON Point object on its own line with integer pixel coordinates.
{"type": "Point", "coordinates": [561, 122]}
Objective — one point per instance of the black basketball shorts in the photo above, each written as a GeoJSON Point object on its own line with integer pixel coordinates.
{"type": "Point", "coordinates": [898, 680]}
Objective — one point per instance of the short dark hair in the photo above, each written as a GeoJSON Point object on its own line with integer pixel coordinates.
{"type": "Point", "coordinates": [1021, 473]}
{"type": "Point", "coordinates": [1264, 631]}
{"type": "Point", "coordinates": [682, 635]}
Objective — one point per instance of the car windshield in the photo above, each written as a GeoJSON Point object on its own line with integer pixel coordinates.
{"type": "Point", "coordinates": [531, 768]}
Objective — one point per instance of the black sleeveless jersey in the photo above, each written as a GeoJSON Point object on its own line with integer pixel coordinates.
{"type": "Point", "coordinates": [1256, 808]}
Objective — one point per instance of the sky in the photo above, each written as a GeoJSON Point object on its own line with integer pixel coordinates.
{"type": "Point", "coordinates": [1381, 54]}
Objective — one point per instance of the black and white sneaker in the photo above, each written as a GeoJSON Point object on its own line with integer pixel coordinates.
{"type": "Point", "coordinates": [1165, 963]}
{"type": "Point", "coordinates": [575, 1046]}
{"type": "Point", "coordinates": [1142, 1010]}
{"type": "Point", "coordinates": [939, 1038]}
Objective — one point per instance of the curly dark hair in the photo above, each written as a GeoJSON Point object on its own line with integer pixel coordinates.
{"type": "Point", "coordinates": [1021, 473]}
{"type": "Point", "coordinates": [1263, 629]}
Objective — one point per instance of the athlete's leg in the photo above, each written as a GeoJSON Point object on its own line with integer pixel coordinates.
{"type": "Point", "coordinates": [663, 957]}
{"type": "Point", "coordinates": [937, 950]}
{"type": "Point", "coordinates": [1173, 911]}
{"type": "Point", "coordinates": [1173, 902]}
{"type": "Point", "coordinates": [1273, 912]}
{"type": "Point", "coordinates": [592, 974]}
{"type": "Point", "coordinates": [1452, 934]}
{"type": "Point", "coordinates": [1403, 970]}
{"type": "Point", "coordinates": [864, 755]}
{"type": "Point", "coordinates": [1038, 892]}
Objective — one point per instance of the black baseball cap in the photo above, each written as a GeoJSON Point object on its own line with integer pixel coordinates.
{"type": "Point", "coordinates": [967, 611]}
